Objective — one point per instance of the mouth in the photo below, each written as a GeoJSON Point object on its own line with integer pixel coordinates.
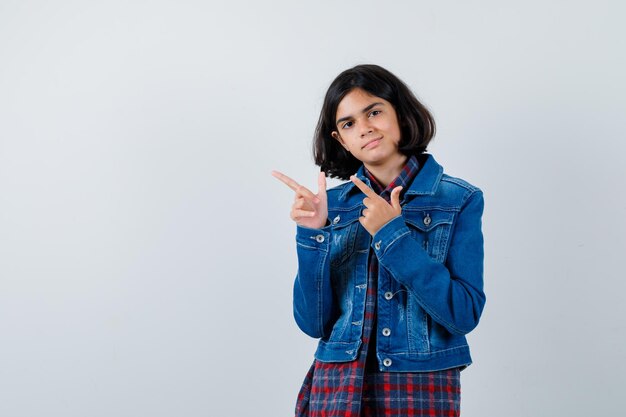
{"type": "Point", "coordinates": [372, 143]}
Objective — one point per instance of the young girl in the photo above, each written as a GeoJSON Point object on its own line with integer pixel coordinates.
{"type": "Point", "coordinates": [390, 263]}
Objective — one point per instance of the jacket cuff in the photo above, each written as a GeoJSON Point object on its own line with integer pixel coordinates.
{"type": "Point", "coordinates": [313, 238]}
{"type": "Point", "coordinates": [391, 231]}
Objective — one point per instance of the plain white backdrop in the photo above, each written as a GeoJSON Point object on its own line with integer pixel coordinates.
{"type": "Point", "coordinates": [146, 253]}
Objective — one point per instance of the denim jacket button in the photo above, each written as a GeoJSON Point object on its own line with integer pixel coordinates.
{"type": "Point", "coordinates": [388, 295]}
{"type": "Point", "coordinates": [377, 245]}
{"type": "Point", "coordinates": [386, 331]}
{"type": "Point", "coordinates": [427, 219]}
{"type": "Point", "coordinates": [387, 362]}
{"type": "Point", "coordinates": [319, 238]}
{"type": "Point", "coordinates": [336, 219]}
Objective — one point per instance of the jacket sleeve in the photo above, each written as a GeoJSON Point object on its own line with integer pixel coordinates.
{"type": "Point", "coordinates": [313, 304]}
{"type": "Point", "coordinates": [451, 293]}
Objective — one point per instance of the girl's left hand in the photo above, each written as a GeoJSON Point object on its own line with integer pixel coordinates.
{"type": "Point", "coordinates": [378, 211]}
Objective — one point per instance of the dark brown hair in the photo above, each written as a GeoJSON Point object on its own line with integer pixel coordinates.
{"type": "Point", "coordinates": [417, 125]}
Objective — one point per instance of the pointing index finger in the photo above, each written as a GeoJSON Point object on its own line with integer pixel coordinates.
{"type": "Point", "coordinates": [299, 189]}
{"type": "Point", "coordinates": [290, 183]}
{"type": "Point", "coordinates": [363, 187]}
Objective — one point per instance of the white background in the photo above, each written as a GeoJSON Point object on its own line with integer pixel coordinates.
{"type": "Point", "coordinates": [146, 253]}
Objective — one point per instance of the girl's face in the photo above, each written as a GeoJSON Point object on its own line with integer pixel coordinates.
{"type": "Point", "coordinates": [367, 127]}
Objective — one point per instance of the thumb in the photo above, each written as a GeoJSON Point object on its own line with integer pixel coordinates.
{"type": "Point", "coordinates": [395, 197]}
{"type": "Point", "coordinates": [321, 186]}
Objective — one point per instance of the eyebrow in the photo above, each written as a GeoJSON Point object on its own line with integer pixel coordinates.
{"type": "Point", "coordinates": [365, 110]}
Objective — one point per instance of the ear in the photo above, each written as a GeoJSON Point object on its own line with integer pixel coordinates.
{"type": "Point", "coordinates": [337, 136]}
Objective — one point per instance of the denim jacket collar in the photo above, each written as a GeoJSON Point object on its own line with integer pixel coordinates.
{"type": "Point", "coordinates": [426, 181]}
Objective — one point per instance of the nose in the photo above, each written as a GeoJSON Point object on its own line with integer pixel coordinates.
{"type": "Point", "coordinates": [366, 129]}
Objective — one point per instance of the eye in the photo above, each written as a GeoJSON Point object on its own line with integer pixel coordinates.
{"type": "Point", "coordinates": [346, 125]}
{"type": "Point", "coordinates": [375, 112]}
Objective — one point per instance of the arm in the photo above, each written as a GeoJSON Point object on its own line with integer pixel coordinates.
{"type": "Point", "coordinates": [312, 292]}
{"type": "Point", "coordinates": [451, 293]}
{"type": "Point", "coordinates": [313, 304]}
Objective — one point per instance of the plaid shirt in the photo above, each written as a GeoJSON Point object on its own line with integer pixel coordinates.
{"type": "Point", "coordinates": [358, 388]}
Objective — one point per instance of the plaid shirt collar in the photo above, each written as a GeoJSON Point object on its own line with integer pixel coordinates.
{"type": "Point", "coordinates": [408, 173]}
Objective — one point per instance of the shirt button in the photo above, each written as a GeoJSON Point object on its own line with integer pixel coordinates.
{"type": "Point", "coordinates": [336, 219]}
{"type": "Point", "coordinates": [377, 245]}
{"type": "Point", "coordinates": [387, 362]}
{"type": "Point", "coordinates": [427, 220]}
{"type": "Point", "coordinates": [319, 238]}
{"type": "Point", "coordinates": [386, 331]}
{"type": "Point", "coordinates": [388, 295]}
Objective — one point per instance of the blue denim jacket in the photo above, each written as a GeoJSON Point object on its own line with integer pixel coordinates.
{"type": "Point", "coordinates": [430, 282]}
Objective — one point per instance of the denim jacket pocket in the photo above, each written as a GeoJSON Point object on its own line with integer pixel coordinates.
{"type": "Point", "coordinates": [431, 228]}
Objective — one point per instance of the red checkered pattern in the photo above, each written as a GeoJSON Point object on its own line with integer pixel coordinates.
{"type": "Point", "coordinates": [357, 388]}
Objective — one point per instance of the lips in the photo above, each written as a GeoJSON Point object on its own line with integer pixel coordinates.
{"type": "Point", "coordinates": [371, 141]}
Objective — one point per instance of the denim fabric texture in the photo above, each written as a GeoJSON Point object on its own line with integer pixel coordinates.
{"type": "Point", "coordinates": [430, 286]}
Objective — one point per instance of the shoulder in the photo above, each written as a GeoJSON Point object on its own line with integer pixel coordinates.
{"type": "Point", "coordinates": [443, 186]}
{"type": "Point", "coordinates": [457, 191]}
{"type": "Point", "coordinates": [465, 193]}
{"type": "Point", "coordinates": [335, 192]}
{"type": "Point", "coordinates": [460, 183]}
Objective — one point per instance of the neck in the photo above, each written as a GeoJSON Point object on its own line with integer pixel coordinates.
{"type": "Point", "coordinates": [389, 171]}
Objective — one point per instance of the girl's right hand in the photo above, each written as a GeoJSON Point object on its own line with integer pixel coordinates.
{"type": "Point", "coordinates": [308, 209]}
